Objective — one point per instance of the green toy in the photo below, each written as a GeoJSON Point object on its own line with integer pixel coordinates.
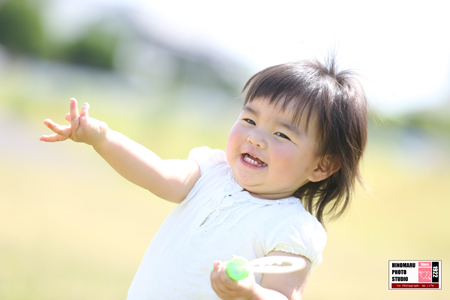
{"type": "Point", "coordinates": [236, 269]}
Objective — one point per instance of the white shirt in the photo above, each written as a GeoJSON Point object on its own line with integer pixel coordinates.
{"type": "Point", "coordinates": [219, 219]}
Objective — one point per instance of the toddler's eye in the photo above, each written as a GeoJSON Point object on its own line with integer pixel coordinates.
{"type": "Point", "coordinates": [250, 121]}
{"type": "Point", "coordinates": [282, 135]}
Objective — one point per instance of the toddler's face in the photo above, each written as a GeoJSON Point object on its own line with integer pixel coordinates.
{"type": "Point", "coordinates": [271, 157]}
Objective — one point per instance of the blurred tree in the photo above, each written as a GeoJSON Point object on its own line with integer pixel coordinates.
{"type": "Point", "coordinates": [21, 28]}
{"type": "Point", "coordinates": [96, 48]}
{"type": "Point", "coordinates": [22, 33]}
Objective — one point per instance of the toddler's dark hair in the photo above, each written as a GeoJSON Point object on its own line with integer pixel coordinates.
{"type": "Point", "coordinates": [337, 102]}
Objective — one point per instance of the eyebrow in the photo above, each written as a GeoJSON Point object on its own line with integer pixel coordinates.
{"type": "Point", "coordinates": [250, 110]}
{"type": "Point", "coordinates": [286, 124]}
{"type": "Point", "coordinates": [291, 127]}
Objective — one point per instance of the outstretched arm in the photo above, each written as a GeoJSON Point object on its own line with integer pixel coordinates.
{"type": "Point", "coordinates": [168, 179]}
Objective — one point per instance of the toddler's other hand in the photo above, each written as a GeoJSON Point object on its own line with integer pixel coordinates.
{"type": "Point", "coordinates": [82, 128]}
{"type": "Point", "coordinates": [228, 289]}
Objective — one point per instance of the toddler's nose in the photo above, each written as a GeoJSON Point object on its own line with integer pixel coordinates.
{"type": "Point", "coordinates": [257, 140]}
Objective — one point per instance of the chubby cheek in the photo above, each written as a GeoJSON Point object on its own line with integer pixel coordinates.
{"type": "Point", "coordinates": [288, 165]}
{"type": "Point", "coordinates": [282, 158]}
{"type": "Point", "coordinates": [234, 141]}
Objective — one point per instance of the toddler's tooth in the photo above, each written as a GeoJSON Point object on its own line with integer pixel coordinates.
{"type": "Point", "coordinates": [248, 158]}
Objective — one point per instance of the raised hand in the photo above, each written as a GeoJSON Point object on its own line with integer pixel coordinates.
{"type": "Point", "coordinates": [82, 128]}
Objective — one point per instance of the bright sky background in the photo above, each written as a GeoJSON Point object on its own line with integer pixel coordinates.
{"type": "Point", "coordinates": [401, 47]}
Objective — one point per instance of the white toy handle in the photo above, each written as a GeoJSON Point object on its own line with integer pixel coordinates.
{"type": "Point", "coordinates": [238, 268]}
{"type": "Point", "coordinates": [276, 264]}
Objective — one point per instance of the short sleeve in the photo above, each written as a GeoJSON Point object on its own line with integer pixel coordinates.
{"type": "Point", "coordinates": [300, 235]}
{"type": "Point", "coordinates": [207, 158]}
{"type": "Point", "coordinates": [210, 162]}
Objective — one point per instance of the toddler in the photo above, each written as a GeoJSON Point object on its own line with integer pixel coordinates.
{"type": "Point", "coordinates": [290, 159]}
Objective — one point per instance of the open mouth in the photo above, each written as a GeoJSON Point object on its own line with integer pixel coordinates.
{"type": "Point", "coordinates": [254, 161]}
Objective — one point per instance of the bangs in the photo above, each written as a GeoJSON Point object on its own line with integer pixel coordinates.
{"type": "Point", "coordinates": [288, 87]}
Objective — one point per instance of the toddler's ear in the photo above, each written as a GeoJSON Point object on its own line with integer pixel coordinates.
{"type": "Point", "coordinates": [327, 166]}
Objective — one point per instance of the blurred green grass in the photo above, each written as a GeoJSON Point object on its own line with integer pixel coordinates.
{"type": "Point", "coordinates": [70, 228]}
